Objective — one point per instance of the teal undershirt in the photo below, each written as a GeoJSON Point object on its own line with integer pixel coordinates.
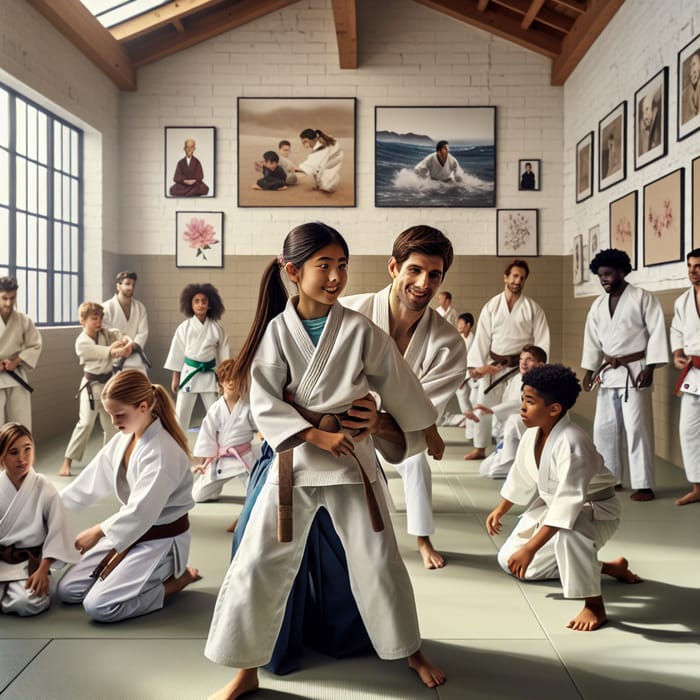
{"type": "Point", "coordinates": [314, 327]}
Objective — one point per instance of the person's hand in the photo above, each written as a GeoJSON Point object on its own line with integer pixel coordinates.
{"type": "Point", "coordinates": [493, 522]}
{"type": "Point", "coordinates": [645, 378]}
{"type": "Point", "coordinates": [436, 446]}
{"type": "Point", "coordinates": [483, 409]}
{"type": "Point", "coordinates": [11, 363]}
{"type": "Point", "coordinates": [175, 382]}
{"type": "Point", "coordinates": [38, 583]}
{"type": "Point", "coordinates": [364, 410]}
{"type": "Point", "coordinates": [470, 415]}
{"type": "Point", "coordinates": [336, 443]}
{"type": "Point", "coordinates": [189, 182]}
{"type": "Point", "coordinates": [587, 382]}
{"type": "Point", "coordinates": [199, 468]}
{"type": "Point", "coordinates": [680, 359]}
{"type": "Point", "coordinates": [520, 561]}
{"type": "Point", "coordinates": [87, 539]}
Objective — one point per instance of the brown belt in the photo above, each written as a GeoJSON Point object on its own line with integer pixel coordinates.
{"type": "Point", "coordinates": [158, 532]}
{"type": "Point", "coordinates": [620, 361]}
{"type": "Point", "coordinates": [330, 423]}
{"type": "Point", "coordinates": [694, 361]}
{"type": "Point", "coordinates": [11, 554]}
{"type": "Point", "coordinates": [505, 361]}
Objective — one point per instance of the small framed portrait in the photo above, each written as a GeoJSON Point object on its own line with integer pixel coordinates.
{"type": "Point", "coordinates": [529, 174]}
{"type": "Point", "coordinates": [190, 168]}
{"type": "Point", "coordinates": [689, 88]}
{"type": "Point", "coordinates": [517, 232]}
{"type": "Point", "coordinates": [623, 225]}
{"type": "Point", "coordinates": [199, 239]}
{"type": "Point", "coordinates": [578, 258]}
{"type": "Point", "coordinates": [595, 245]}
{"type": "Point", "coordinates": [612, 147]}
{"type": "Point", "coordinates": [584, 168]}
{"type": "Point", "coordinates": [586, 262]}
{"type": "Point", "coordinates": [663, 219]}
{"type": "Point", "coordinates": [696, 204]}
{"type": "Point", "coordinates": [651, 120]}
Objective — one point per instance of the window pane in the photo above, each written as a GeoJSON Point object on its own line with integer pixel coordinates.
{"type": "Point", "coordinates": [57, 197]}
{"type": "Point", "coordinates": [21, 183]}
{"type": "Point", "coordinates": [74, 248]}
{"type": "Point", "coordinates": [32, 252]}
{"type": "Point", "coordinates": [4, 118]}
{"type": "Point", "coordinates": [31, 132]}
{"type": "Point", "coordinates": [42, 145]}
{"type": "Point", "coordinates": [42, 244]}
{"type": "Point", "coordinates": [74, 161]}
{"type": "Point", "coordinates": [4, 236]}
{"type": "Point", "coordinates": [42, 296]}
{"type": "Point", "coordinates": [72, 314]}
{"type": "Point", "coordinates": [65, 192]}
{"type": "Point", "coordinates": [21, 127]}
{"type": "Point", "coordinates": [21, 240]}
{"type": "Point", "coordinates": [57, 147]}
{"type": "Point", "coordinates": [32, 193]}
{"type": "Point", "coordinates": [42, 195]}
{"type": "Point", "coordinates": [65, 145]}
{"type": "Point", "coordinates": [4, 177]}
{"type": "Point", "coordinates": [31, 293]}
{"type": "Point", "coordinates": [75, 208]}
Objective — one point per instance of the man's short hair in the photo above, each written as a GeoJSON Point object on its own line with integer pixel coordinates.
{"type": "Point", "coordinates": [467, 318]}
{"type": "Point", "coordinates": [555, 384]}
{"type": "Point", "coordinates": [284, 142]}
{"type": "Point", "coordinates": [89, 308]}
{"type": "Point", "coordinates": [612, 257]}
{"type": "Point", "coordinates": [8, 284]}
{"type": "Point", "coordinates": [126, 275]}
{"type": "Point", "coordinates": [271, 157]}
{"type": "Point", "coordinates": [441, 145]}
{"type": "Point", "coordinates": [537, 352]}
{"type": "Point", "coordinates": [693, 254]}
{"type": "Point", "coordinates": [518, 263]}
{"type": "Point", "coordinates": [447, 295]}
{"type": "Point", "coordinates": [424, 240]}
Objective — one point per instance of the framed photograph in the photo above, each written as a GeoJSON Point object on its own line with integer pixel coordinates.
{"type": "Point", "coordinates": [623, 225]}
{"type": "Point", "coordinates": [663, 219]}
{"type": "Point", "coordinates": [529, 174]}
{"type": "Point", "coordinates": [435, 156]}
{"type": "Point", "coordinates": [695, 238]}
{"type": "Point", "coordinates": [296, 151]}
{"type": "Point", "coordinates": [578, 258]}
{"type": "Point", "coordinates": [190, 166]}
{"type": "Point", "coordinates": [585, 262]}
{"type": "Point", "coordinates": [651, 120]}
{"type": "Point", "coordinates": [517, 233]}
{"type": "Point", "coordinates": [689, 88]}
{"type": "Point", "coordinates": [199, 239]}
{"type": "Point", "coordinates": [612, 147]}
{"type": "Point", "coordinates": [595, 245]}
{"type": "Point", "coordinates": [584, 168]}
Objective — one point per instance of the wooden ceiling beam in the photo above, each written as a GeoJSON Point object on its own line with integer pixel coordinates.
{"type": "Point", "coordinates": [579, 6]}
{"type": "Point", "coordinates": [556, 20]}
{"type": "Point", "coordinates": [531, 14]}
{"type": "Point", "coordinates": [585, 31]}
{"type": "Point", "coordinates": [83, 30]}
{"type": "Point", "coordinates": [345, 15]}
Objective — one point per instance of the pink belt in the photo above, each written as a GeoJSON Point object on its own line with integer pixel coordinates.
{"type": "Point", "coordinates": [234, 451]}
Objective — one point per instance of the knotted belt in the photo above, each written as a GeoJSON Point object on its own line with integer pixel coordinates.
{"type": "Point", "coordinates": [91, 379]}
{"type": "Point", "coordinates": [694, 361]}
{"type": "Point", "coordinates": [199, 366]}
{"type": "Point", "coordinates": [620, 361]}
{"type": "Point", "coordinates": [11, 554]}
{"type": "Point", "coordinates": [26, 385]}
{"type": "Point", "coordinates": [330, 423]}
{"type": "Point", "coordinates": [503, 361]}
{"type": "Point", "coordinates": [236, 451]}
{"type": "Point", "coordinates": [157, 532]}
{"type": "Point", "coordinates": [119, 364]}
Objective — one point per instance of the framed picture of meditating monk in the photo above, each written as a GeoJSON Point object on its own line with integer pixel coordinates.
{"type": "Point", "coordinates": [189, 161]}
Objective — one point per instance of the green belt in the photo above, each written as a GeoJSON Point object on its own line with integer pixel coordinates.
{"type": "Point", "coordinates": [199, 366]}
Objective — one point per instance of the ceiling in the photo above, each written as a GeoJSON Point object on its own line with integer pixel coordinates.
{"type": "Point", "coordinates": [562, 30]}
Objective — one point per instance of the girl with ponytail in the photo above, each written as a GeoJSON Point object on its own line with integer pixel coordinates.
{"type": "Point", "coordinates": [324, 161]}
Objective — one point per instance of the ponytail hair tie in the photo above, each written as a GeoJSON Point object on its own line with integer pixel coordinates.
{"type": "Point", "coordinates": [280, 260]}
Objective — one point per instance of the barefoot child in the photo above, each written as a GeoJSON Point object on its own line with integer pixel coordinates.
{"type": "Point", "coordinates": [33, 531]}
{"type": "Point", "coordinates": [135, 559]}
{"type": "Point", "coordinates": [573, 508]}
{"type": "Point", "coordinates": [224, 439]}
{"type": "Point", "coordinates": [326, 357]}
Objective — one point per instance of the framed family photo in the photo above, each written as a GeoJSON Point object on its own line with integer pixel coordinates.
{"type": "Point", "coordinates": [517, 233]}
{"type": "Point", "coordinates": [651, 120]}
{"type": "Point", "coordinates": [612, 147]}
{"type": "Point", "coordinates": [529, 174]}
{"type": "Point", "coordinates": [696, 204]}
{"type": "Point", "coordinates": [190, 167]}
{"type": "Point", "coordinates": [296, 151]}
{"type": "Point", "coordinates": [435, 157]}
{"type": "Point", "coordinates": [689, 88]}
{"type": "Point", "coordinates": [199, 239]}
{"type": "Point", "coordinates": [584, 168]}
{"type": "Point", "coordinates": [663, 219]}
{"type": "Point", "coordinates": [578, 258]}
{"type": "Point", "coordinates": [623, 225]}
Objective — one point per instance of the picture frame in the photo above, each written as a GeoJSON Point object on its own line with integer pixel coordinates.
{"type": "Point", "coordinates": [529, 174]}
{"type": "Point", "coordinates": [651, 120]}
{"type": "Point", "coordinates": [195, 179]}
{"type": "Point", "coordinates": [595, 245]}
{"type": "Point", "coordinates": [585, 262]}
{"type": "Point", "coordinates": [517, 233]}
{"type": "Point", "coordinates": [664, 219]}
{"type": "Point", "coordinates": [688, 105]}
{"type": "Point", "coordinates": [320, 168]}
{"type": "Point", "coordinates": [409, 170]}
{"type": "Point", "coordinates": [578, 258]}
{"type": "Point", "coordinates": [199, 239]}
{"type": "Point", "coordinates": [695, 203]}
{"type": "Point", "coordinates": [612, 147]}
{"type": "Point", "coordinates": [623, 225]}
{"type": "Point", "coordinates": [584, 168]}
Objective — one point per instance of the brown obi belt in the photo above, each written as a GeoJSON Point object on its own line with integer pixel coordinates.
{"type": "Point", "coordinates": [512, 361]}
{"type": "Point", "coordinates": [157, 532]}
{"type": "Point", "coordinates": [91, 379]}
{"type": "Point", "coordinates": [620, 361]}
{"type": "Point", "coordinates": [11, 554]}
{"type": "Point", "coordinates": [693, 361]}
{"type": "Point", "coordinates": [330, 423]}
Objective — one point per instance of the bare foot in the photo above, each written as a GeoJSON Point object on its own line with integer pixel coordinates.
{"type": "Point", "coordinates": [620, 569]}
{"type": "Point", "coordinates": [246, 681]}
{"type": "Point", "coordinates": [65, 467]}
{"type": "Point", "coordinates": [431, 676]}
{"type": "Point", "coordinates": [284, 187]}
{"type": "Point", "coordinates": [232, 526]}
{"type": "Point", "coordinates": [476, 453]}
{"type": "Point", "coordinates": [255, 187]}
{"type": "Point", "coordinates": [692, 497]}
{"type": "Point", "coordinates": [175, 585]}
{"type": "Point", "coordinates": [432, 559]}
{"type": "Point", "coordinates": [591, 617]}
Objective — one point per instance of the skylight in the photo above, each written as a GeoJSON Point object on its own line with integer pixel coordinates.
{"type": "Point", "coordinates": [113, 12]}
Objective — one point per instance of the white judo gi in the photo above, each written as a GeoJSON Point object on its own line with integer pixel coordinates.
{"type": "Point", "coordinates": [685, 335]}
{"type": "Point", "coordinates": [323, 164]}
{"type": "Point", "coordinates": [431, 167]}
{"type": "Point", "coordinates": [18, 337]}
{"type": "Point", "coordinates": [201, 342]}
{"type": "Point", "coordinates": [352, 357]}
{"type": "Point", "coordinates": [571, 490]}
{"type": "Point", "coordinates": [31, 516]}
{"type": "Point", "coordinates": [498, 463]}
{"type": "Point", "coordinates": [503, 332]}
{"type": "Point", "coordinates": [225, 439]}
{"type": "Point", "coordinates": [135, 327]}
{"type": "Point", "coordinates": [637, 325]}
{"type": "Point", "coordinates": [156, 489]}
{"type": "Point", "coordinates": [437, 356]}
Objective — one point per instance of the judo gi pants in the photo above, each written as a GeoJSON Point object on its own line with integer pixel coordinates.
{"type": "Point", "coordinates": [185, 401]}
{"type": "Point", "coordinates": [689, 430]}
{"type": "Point", "coordinates": [418, 490]}
{"type": "Point", "coordinates": [16, 405]}
{"type": "Point", "coordinates": [86, 421]}
{"type": "Point", "coordinates": [18, 600]}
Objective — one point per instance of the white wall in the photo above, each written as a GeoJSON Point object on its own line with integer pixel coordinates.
{"type": "Point", "coordinates": [408, 55]}
{"type": "Point", "coordinates": [643, 37]}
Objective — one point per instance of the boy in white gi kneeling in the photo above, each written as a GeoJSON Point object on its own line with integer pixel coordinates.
{"type": "Point", "coordinates": [573, 510]}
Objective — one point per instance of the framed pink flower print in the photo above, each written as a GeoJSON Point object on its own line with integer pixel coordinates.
{"type": "Point", "coordinates": [199, 239]}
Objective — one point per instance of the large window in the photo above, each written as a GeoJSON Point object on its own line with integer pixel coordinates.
{"type": "Point", "coordinates": [41, 204]}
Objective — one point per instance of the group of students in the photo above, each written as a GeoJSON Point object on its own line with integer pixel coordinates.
{"type": "Point", "coordinates": [309, 376]}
